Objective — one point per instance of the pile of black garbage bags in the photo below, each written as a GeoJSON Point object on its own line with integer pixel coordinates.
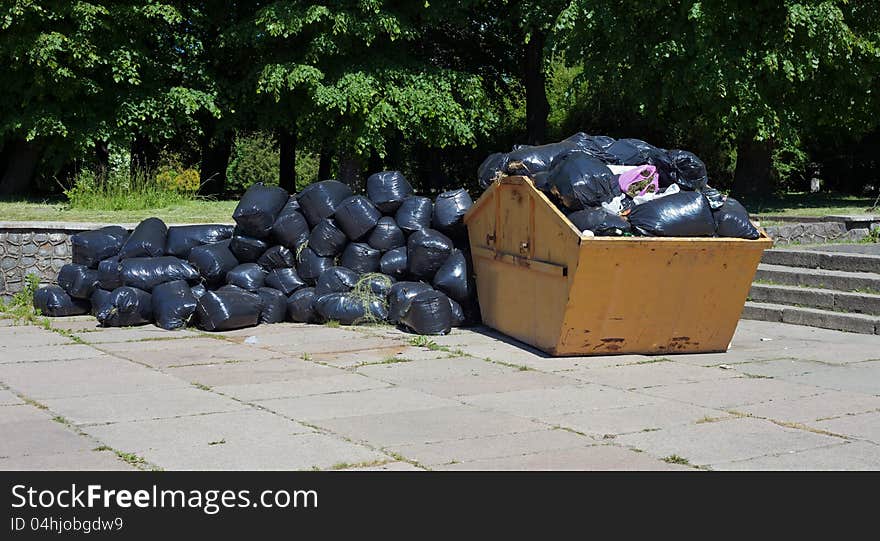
{"type": "Point", "coordinates": [324, 254]}
{"type": "Point", "coordinates": [611, 187]}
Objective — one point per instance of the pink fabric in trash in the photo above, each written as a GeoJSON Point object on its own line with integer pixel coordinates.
{"type": "Point", "coordinates": [638, 174]}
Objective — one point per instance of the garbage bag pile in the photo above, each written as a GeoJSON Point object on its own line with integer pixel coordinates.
{"type": "Point", "coordinates": [320, 255]}
{"type": "Point", "coordinates": [625, 187]}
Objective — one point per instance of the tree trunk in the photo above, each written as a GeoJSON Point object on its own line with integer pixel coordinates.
{"type": "Point", "coordinates": [754, 163]}
{"type": "Point", "coordinates": [325, 162]}
{"type": "Point", "coordinates": [351, 171]}
{"type": "Point", "coordinates": [537, 106]}
{"type": "Point", "coordinates": [20, 170]}
{"type": "Point", "coordinates": [287, 168]}
{"type": "Point", "coordinates": [102, 159]}
{"type": "Point", "coordinates": [216, 150]}
{"type": "Point", "coordinates": [144, 155]}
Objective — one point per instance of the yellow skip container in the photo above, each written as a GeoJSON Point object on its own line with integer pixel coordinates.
{"type": "Point", "coordinates": [544, 283]}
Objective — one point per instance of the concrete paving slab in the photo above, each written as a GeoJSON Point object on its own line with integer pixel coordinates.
{"type": "Point", "coordinates": [543, 403]}
{"type": "Point", "coordinates": [859, 378]}
{"type": "Point", "coordinates": [76, 324]}
{"type": "Point", "coordinates": [864, 426]}
{"type": "Point", "coordinates": [21, 336]}
{"type": "Point", "coordinates": [725, 441]}
{"type": "Point", "coordinates": [76, 461]}
{"type": "Point", "coordinates": [388, 466]}
{"type": "Point", "coordinates": [194, 433]}
{"type": "Point", "coordinates": [436, 369]}
{"type": "Point", "coordinates": [252, 392]}
{"type": "Point", "coordinates": [171, 353]}
{"type": "Point", "coordinates": [616, 421]}
{"type": "Point", "coordinates": [350, 404]}
{"type": "Point", "coordinates": [141, 405]}
{"type": "Point", "coordinates": [351, 359]}
{"type": "Point", "coordinates": [502, 445]}
{"type": "Point", "coordinates": [491, 383]}
{"type": "Point", "coordinates": [811, 408]}
{"type": "Point", "coordinates": [732, 392]}
{"type": "Point", "coordinates": [422, 426]}
{"type": "Point", "coordinates": [780, 368]}
{"type": "Point", "coordinates": [83, 377]}
{"type": "Point", "coordinates": [857, 455]}
{"type": "Point", "coordinates": [31, 431]}
{"type": "Point", "coordinates": [8, 398]}
{"type": "Point", "coordinates": [636, 376]}
{"type": "Point", "coordinates": [47, 353]}
{"type": "Point", "coordinates": [252, 372]}
{"type": "Point", "coordinates": [596, 457]}
{"type": "Point", "coordinates": [107, 335]}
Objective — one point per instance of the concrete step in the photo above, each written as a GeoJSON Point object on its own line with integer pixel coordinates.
{"type": "Point", "coordinates": [828, 260]}
{"type": "Point", "coordinates": [868, 282]}
{"type": "Point", "coordinates": [812, 317]}
{"type": "Point", "coordinates": [824, 299]}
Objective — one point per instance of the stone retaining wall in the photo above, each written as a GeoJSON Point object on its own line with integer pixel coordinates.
{"type": "Point", "coordinates": [814, 233]}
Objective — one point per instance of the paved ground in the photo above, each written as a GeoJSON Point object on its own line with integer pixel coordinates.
{"type": "Point", "coordinates": [291, 396]}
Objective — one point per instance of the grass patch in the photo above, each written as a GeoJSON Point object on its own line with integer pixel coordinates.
{"type": "Point", "coordinates": [332, 323]}
{"type": "Point", "coordinates": [809, 204]}
{"type": "Point", "coordinates": [218, 442]}
{"type": "Point", "coordinates": [62, 420]}
{"type": "Point", "coordinates": [201, 386]}
{"type": "Point", "coordinates": [425, 342]}
{"type": "Point", "coordinates": [102, 448]}
{"type": "Point", "coordinates": [652, 361]}
{"type": "Point", "coordinates": [675, 459]}
{"type": "Point", "coordinates": [130, 458]}
{"type": "Point", "coordinates": [349, 465]}
{"type": "Point", "coordinates": [755, 376]}
{"type": "Point", "coordinates": [520, 367]}
{"type": "Point", "coordinates": [306, 356]}
{"type": "Point", "coordinates": [708, 419]}
{"type": "Point", "coordinates": [53, 210]}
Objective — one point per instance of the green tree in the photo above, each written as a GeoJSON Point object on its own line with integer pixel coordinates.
{"type": "Point", "coordinates": [754, 75]}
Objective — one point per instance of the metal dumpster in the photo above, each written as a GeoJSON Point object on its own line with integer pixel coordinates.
{"type": "Point", "coordinates": [544, 283]}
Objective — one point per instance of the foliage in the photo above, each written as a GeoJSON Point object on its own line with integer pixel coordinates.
{"type": "Point", "coordinates": [122, 190]}
{"type": "Point", "coordinates": [176, 180]}
{"type": "Point", "coordinates": [254, 159]}
{"type": "Point", "coordinates": [21, 306]}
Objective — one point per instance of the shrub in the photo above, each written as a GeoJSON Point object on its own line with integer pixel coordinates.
{"type": "Point", "coordinates": [121, 190]}
{"type": "Point", "coordinates": [254, 159]}
{"type": "Point", "coordinates": [185, 181]}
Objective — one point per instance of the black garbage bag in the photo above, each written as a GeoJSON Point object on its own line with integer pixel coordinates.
{"type": "Point", "coordinates": [683, 214]}
{"type": "Point", "coordinates": [449, 210]}
{"type": "Point", "coordinates": [625, 153]}
{"type": "Point", "coordinates": [258, 209]}
{"type": "Point", "coordinates": [492, 168]}
{"type": "Point", "coordinates": [290, 228]}
{"type": "Point", "coordinates": [300, 306]}
{"type": "Point", "coordinates": [198, 290]}
{"type": "Point", "coordinates": [716, 198]}
{"type": "Point", "coordinates": [284, 280]}
{"type": "Point", "coordinates": [602, 141]}
{"type": "Point", "coordinates": [529, 160]}
{"type": "Point", "coordinates": [310, 265]}
{"type": "Point", "coordinates": [658, 158]}
{"type": "Point", "coordinates": [213, 261]}
{"type": "Point", "coordinates": [399, 296]}
{"type": "Point", "coordinates": [732, 220]}
{"type": "Point", "coordinates": [52, 301]}
{"type": "Point", "coordinates": [542, 181]}
{"type": "Point", "coordinates": [147, 240]}
{"type": "Point", "coordinates": [594, 146]}
{"type": "Point", "coordinates": [414, 213]}
{"type": "Point", "coordinates": [429, 312]}
{"type": "Point", "coordinates": [123, 307]}
{"type": "Point", "coordinates": [601, 222]}
{"type": "Point", "coordinates": [173, 304]}
{"type": "Point", "coordinates": [386, 235]}
{"type": "Point", "coordinates": [319, 200]}
{"type": "Point", "coordinates": [453, 278]}
{"type": "Point", "coordinates": [387, 190]}
{"type": "Point", "coordinates": [78, 281]}
{"type": "Point", "coordinates": [273, 305]}
{"type": "Point", "coordinates": [109, 274]}
{"type": "Point", "coordinates": [227, 310]}
{"type": "Point", "coordinates": [690, 171]}
{"type": "Point", "coordinates": [247, 249]}
{"type": "Point", "coordinates": [374, 284]}
{"type": "Point", "coordinates": [426, 251]}
{"type": "Point", "coordinates": [582, 181]}
{"type": "Point", "coordinates": [336, 280]}
{"type": "Point", "coordinates": [327, 240]}
{"type": "Point", "coordinates": [356, 216]}
{"type": "Point", "coordinates": [360, 257]}
{"type": "Point", "coordinates": [90, 247]}
{"type": "Point", "coordinates": [249, 276]}
{"type": "Point", "coordinates": [348, 309]}
{"type": "Point", "coordinates": [277, 257]}
{"type": "Point", "coordinates": [458, 316]}
{"type": "Point", "coordinates": [148, 272]}
{"type": "Point", "coordinates": [183, 238]}
{"type": "Point", "coordinates": [393, 262]}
